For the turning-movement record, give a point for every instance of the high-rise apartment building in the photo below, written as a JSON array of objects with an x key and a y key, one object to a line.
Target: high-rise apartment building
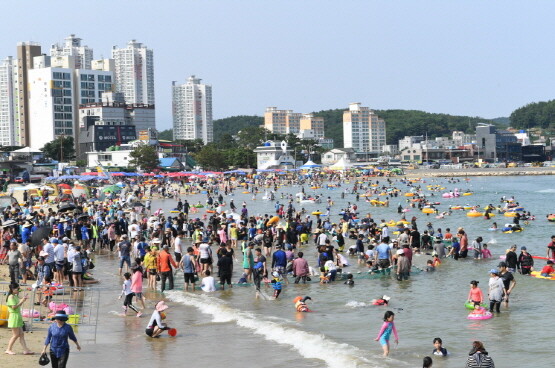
[
  {"x": 312, "y": 126},
  {"x": 26, "y": 51},
  {"x": 134, "y": 72},
  {"x": 192, "y": 110},
  {"x": 282, "y": 121},
  {"x": 83, "y": 55},
  {"x": 363, "y": 130},
  {"x": 7, "y": 136},
  {"x": 56, "y": 89}
]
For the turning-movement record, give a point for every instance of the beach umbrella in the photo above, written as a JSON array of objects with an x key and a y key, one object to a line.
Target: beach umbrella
[
  {"x": 9, "y": 223},
  {"x": 67, "y": 207},
  {"x": 38, "y": 235},
  {"x": 111, "y": 188}
]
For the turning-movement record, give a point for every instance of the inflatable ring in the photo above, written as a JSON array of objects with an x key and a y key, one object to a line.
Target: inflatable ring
[
  {"x": 474, "y": 214},
  {"x": 470, "y": 305},
  {"x": 428, "y": 210},
  {"x": 478, "y": 316},
  {"x": 316, "y": 213}
]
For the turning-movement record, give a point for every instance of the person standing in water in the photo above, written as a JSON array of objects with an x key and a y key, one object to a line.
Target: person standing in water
[{"x": 385, "y": 332}]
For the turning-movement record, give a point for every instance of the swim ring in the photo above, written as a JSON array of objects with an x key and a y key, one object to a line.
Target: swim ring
[{"x": 479, "y": 314}]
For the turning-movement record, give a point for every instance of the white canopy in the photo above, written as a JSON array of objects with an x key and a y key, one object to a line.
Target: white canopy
[
  {"x": 28, "y": 150},
  {"x": 341, "y": 165}
]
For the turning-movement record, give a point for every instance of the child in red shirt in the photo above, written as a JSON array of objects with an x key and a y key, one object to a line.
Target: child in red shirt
[{"x": 548, "y": 269}]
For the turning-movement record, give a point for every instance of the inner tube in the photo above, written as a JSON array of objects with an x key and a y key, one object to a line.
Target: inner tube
[
  {"x": 474, "y": 214},
  {"x": 316, "y": 213},
  {"x": 537, "y": 274},
  {"x": 481, "y": 313},
  {"x": 470, "y": 305}
]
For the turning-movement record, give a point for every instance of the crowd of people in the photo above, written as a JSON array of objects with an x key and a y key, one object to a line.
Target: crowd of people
[{"x": 152, "y": 244}]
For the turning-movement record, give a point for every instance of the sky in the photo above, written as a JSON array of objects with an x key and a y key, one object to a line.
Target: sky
[{"x": 477, "y": 58}]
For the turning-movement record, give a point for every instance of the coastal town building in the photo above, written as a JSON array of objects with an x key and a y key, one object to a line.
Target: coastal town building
[
  {"x": 83, "y": 55},
  {"x": 7, "y": 102},
  {"x": 56, "y": 89},
  {"x": 286, "y": 121},
  {"x": 192, "y": 110},
  {"x": 332, "y": 156},
  {"x": 363, "y": 130},
  {"x": 26, "y": 51},
  {"x": 274, "y": 155},
  {"x": 134, "y": 72},
  {"x": 112, "y": 122},
  {"x": 497, "y": 145}
]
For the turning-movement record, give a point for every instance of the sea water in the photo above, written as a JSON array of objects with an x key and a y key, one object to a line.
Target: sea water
[{"x": 233, "y": 329}]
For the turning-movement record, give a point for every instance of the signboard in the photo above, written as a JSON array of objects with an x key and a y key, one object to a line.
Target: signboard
[{"x": 143, "y": 135}]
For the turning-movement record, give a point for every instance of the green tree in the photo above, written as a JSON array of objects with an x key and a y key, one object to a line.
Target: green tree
[
  {"x": 166, "y": 135},
  {"x": 211, "y": 157},
  {"x": 192, "y": 145},
  {"x": 145, "y": 157},
  {"x": 234, "y": 124},
  {"x": 60, "y": 149},
  {"x": 254, "y": 136}
]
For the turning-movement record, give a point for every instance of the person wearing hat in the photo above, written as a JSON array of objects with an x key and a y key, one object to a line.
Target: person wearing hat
[
  {"x": 495, "y": 291},
  {"x": 155, "y": 325},
  {"x": 403, "y": 266},
  {"x": 508, "y": 279},
  {"x": 58, "y": 335}
]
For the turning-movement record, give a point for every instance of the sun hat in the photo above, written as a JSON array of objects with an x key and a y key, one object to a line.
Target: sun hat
[
  {"x": 61, "y": 316},
  {"x": 494, "y": 271},
  {"x": 161, "y": 306},
  {"x": 400, "y": 251}
]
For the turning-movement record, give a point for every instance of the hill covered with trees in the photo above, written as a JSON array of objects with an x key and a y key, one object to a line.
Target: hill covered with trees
[{"x": 535, "y": 115}]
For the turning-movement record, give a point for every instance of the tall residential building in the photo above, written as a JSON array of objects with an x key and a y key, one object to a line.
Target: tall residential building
[
  {"x": 56, "y": 89},
  {"x": 192, "y": 110},
  {"x": 134, "y": 72},
  {"x": 82, "y": 55},
  {"x": 282, "y": 121},
  {"x": 312, "y": 126},
  {"x": 7, "y": 136},
  {"x": 363, "y": 130},
  {"x": 26, "y": 51}
]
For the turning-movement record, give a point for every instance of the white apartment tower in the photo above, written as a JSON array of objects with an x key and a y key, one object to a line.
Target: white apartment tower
[
  {"x": 192, "y": 110},
  {"x": 56, "y": 89},
  {"x": 83, "y": 55},
  {"x": 7, "y": 134},
  {"x": 134, "y": 72},
  {"x": 363, "y": 130}
]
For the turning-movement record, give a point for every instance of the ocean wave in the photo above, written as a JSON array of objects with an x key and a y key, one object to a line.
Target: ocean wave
[
  {"x": 355, "y": 304},
  {"x": 309, "y": 345},
  {"x": 546, "y": 191}
]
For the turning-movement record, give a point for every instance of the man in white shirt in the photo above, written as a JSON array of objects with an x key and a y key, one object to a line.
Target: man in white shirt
[
  {"x": 134, "y": 229},
  {"x": 59, "y": 255},
  {"x": 208, "y": 283},
  {"x": 178, "y": 245},
  {"x": 48, "y": 248},
  {"x": 322, "y": 238}
]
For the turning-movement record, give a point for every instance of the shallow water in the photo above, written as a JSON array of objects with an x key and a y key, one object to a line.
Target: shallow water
[{"x": 235, "y": 329}]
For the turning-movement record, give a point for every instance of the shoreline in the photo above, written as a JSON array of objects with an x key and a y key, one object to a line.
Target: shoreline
[{"x": 510, "y": 171}]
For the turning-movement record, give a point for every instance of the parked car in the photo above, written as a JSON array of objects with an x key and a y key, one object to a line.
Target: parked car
[{"x": 18, "y": 179}]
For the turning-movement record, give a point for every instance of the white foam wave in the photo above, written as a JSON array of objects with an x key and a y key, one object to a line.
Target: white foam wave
[
  {"x": 355, "y": 304},
  {"x": 546, "y": 191},
  {"x": 309, "y": 345}
]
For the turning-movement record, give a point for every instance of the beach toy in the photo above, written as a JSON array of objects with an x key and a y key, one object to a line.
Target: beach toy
[
  {"x": 427, "y": 210},
  {"x": 474, "y": 214},
  {"x": 210, "y": 211},
  {"x": 480, "y": 313},
  {"x": 409, "y": 194},
  {"x": 30, "y": 313},
  {"x": 245, "y": 192},
  {"x": 314, "y": 187},
  {"x": 467, "y": 194},
  {"x": 551, "y": 218},
  {"x": 172, "y": 332},
  {"x": 3, "y": 314},
  {"x": 470, "y": 305},
  {"x": 73, "y": 319},
  {"x": 273, "y": 220},
  {"x": 316, "y": 213},
  {"x": 510, "y": 214},
  {"x": 537, "y": 274}
]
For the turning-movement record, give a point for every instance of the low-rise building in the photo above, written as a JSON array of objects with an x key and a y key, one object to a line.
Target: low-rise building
[
  {"x": 336, "y": 154},
  {"x": 274, "y": 155}
]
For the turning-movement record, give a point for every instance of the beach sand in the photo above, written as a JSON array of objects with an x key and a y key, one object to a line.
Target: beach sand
[{"x": 34, "y": 339}]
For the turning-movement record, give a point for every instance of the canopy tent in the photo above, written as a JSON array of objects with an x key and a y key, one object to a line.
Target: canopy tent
[
  {"x": 27, "y": 150},
  {"x": 341, "y": 165},
  {"x": 310, "y": 165}
]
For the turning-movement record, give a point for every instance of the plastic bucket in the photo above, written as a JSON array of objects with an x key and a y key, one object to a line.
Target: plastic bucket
[{"x": 73, "y": 319}]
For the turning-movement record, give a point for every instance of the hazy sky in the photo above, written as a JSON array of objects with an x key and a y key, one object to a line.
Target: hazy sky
[{"x": 479, "y": 58}]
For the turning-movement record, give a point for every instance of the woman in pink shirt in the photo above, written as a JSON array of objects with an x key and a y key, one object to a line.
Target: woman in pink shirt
[
  {"x": 137, "y": 282},
  {"x": 222, "y": 233}
]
